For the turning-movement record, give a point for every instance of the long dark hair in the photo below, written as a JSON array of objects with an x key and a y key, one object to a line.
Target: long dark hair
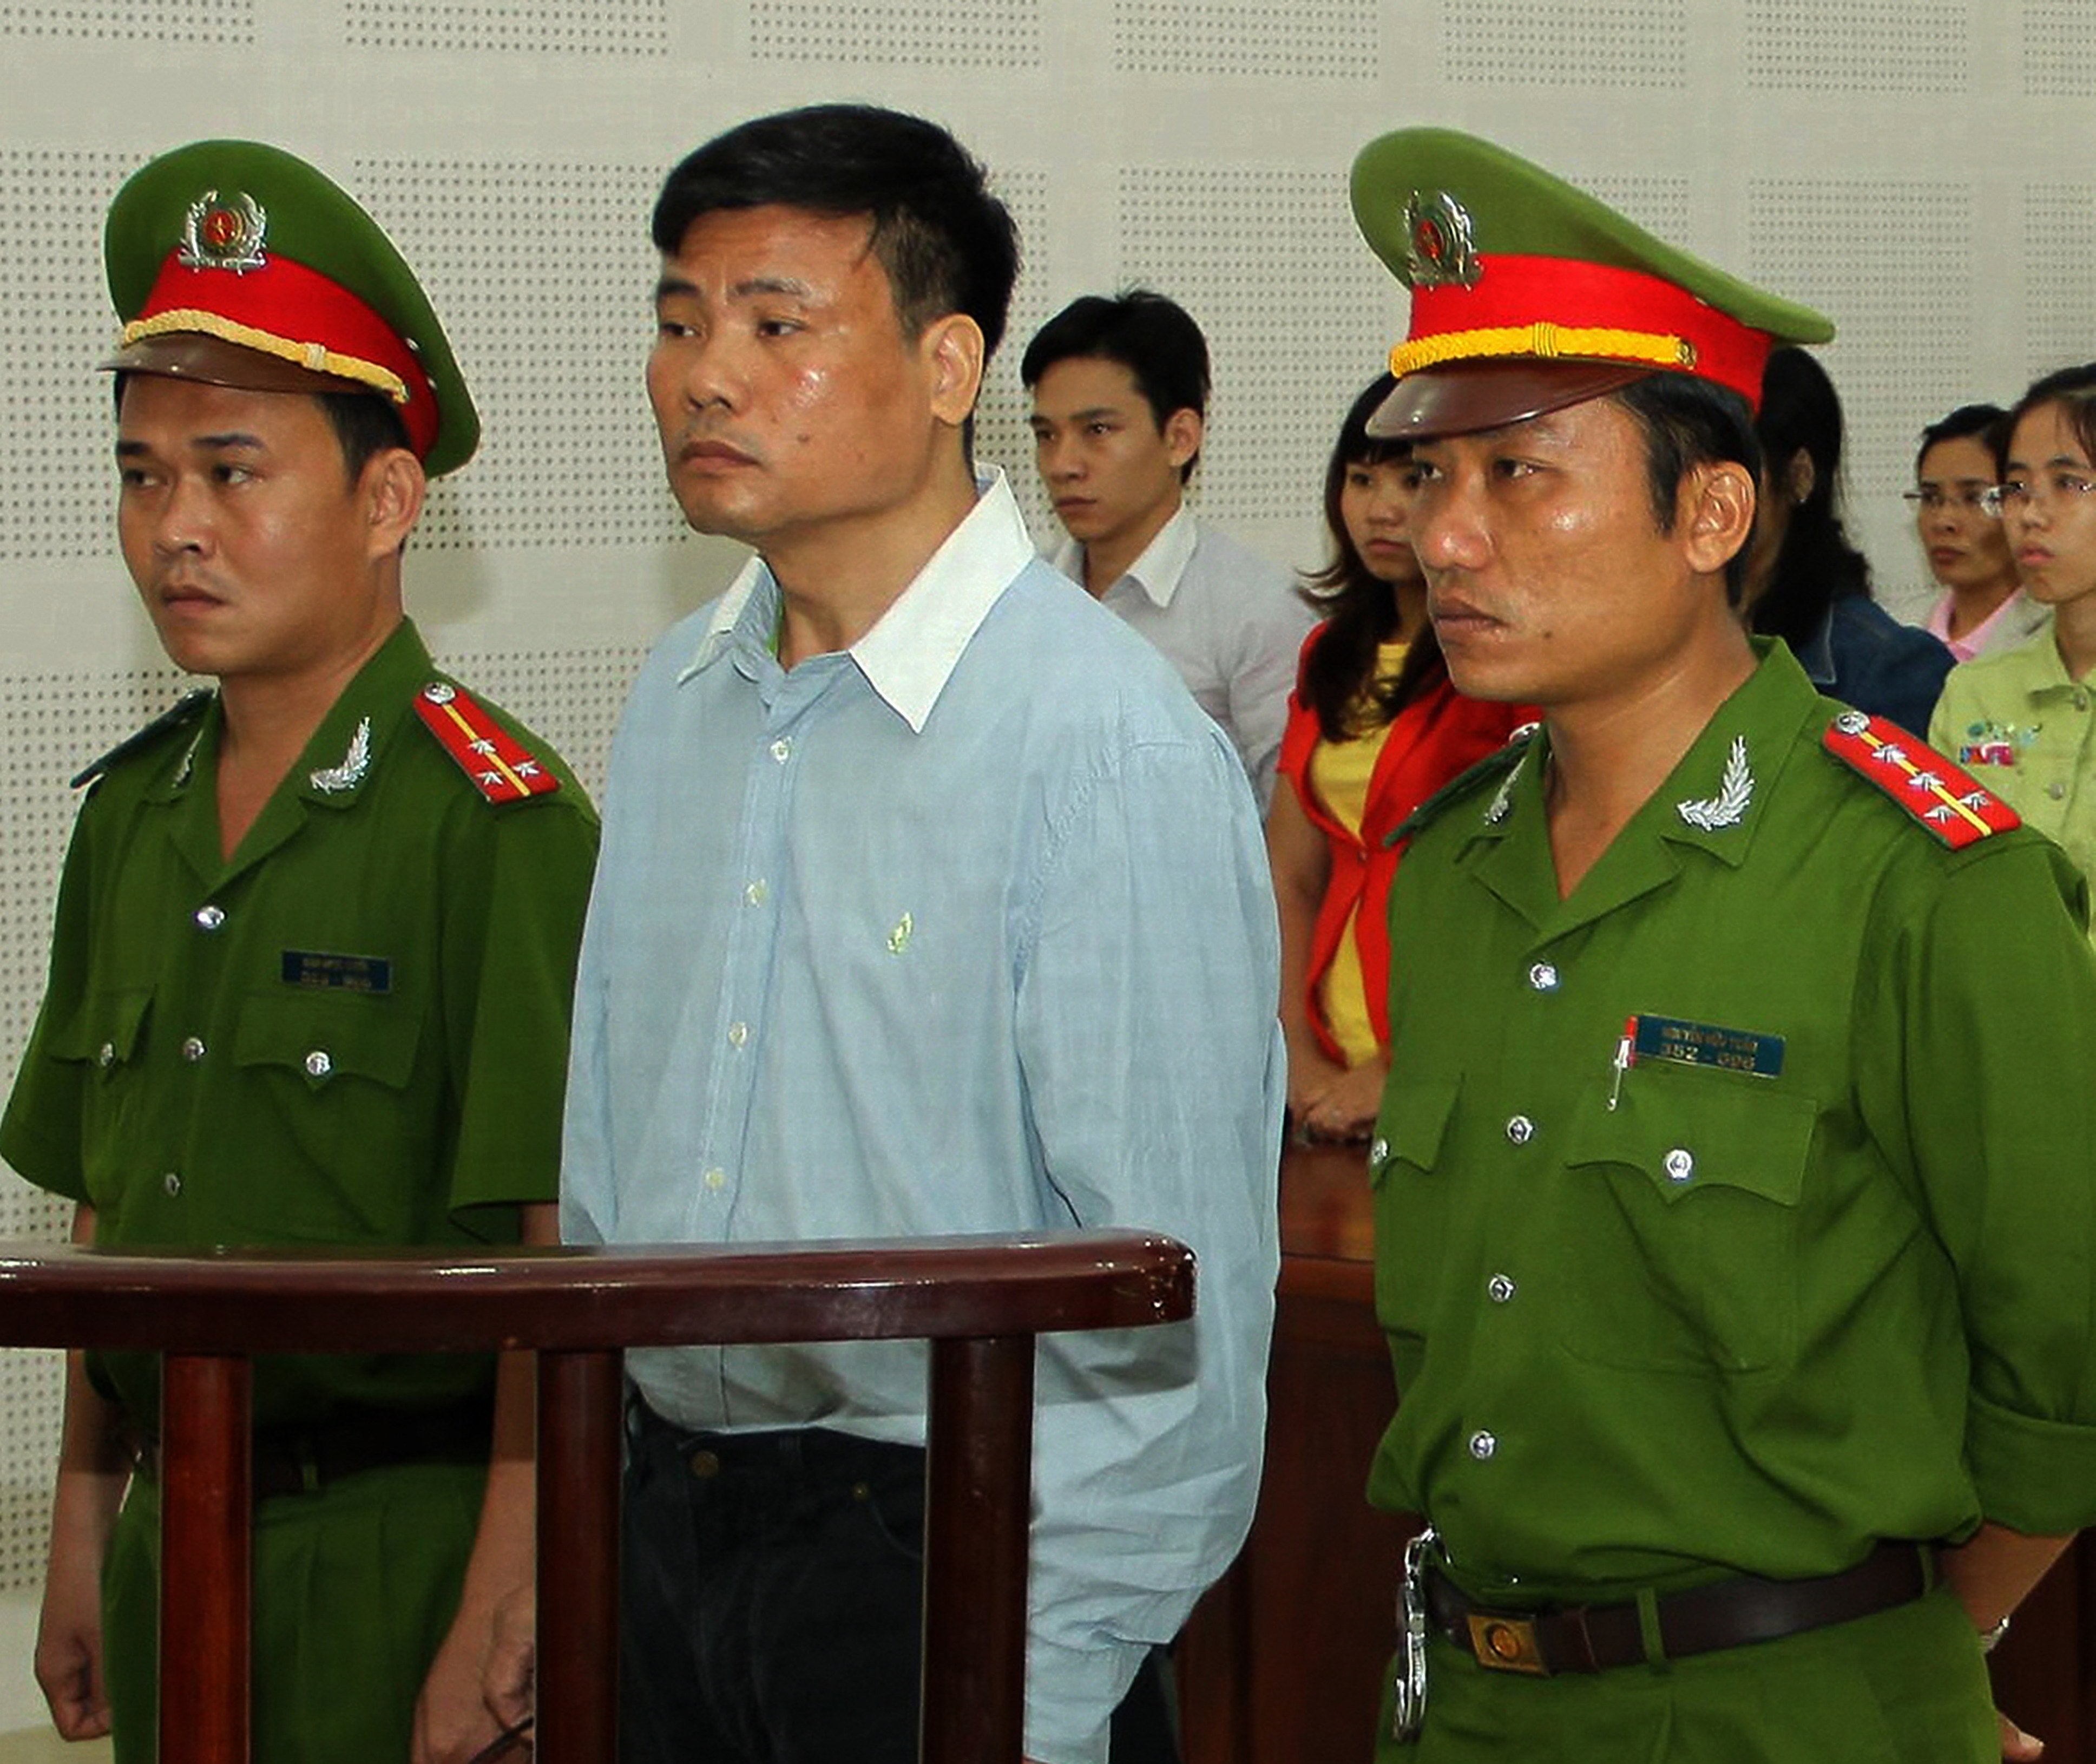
[
  {"x": 1360, "y": 610},
  {"x": 1815, "y": 566}
]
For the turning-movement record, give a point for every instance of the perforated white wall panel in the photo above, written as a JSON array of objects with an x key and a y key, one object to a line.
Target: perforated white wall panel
[
  {"x": 1291, "y": 40},
  {"x": 1295, "y": 310},
  {"x": 1614, "y": 43},
  {"x": 547, "y": 28},
  {"x": 162, "y": 21},
  {"x": 984, "y": 34},
  {"x": 1910, "y": 165},
  {"x": 1853, "y": 46}
]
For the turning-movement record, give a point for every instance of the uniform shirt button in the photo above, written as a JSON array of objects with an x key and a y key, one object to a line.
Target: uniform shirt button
[
  {"x": 210, "y": 918},
  {"x": 192, "y": 1048},
  {"x": 1501, "y": 1289},
  {"x": 737, "y": 1034},
  {"x": 1543, "y": 976},
  {"x": 172, "y": 1183},
  {"x": 2057, "y": 791},
  {"x": 781, "y": 748},
  {"x": 1482, "y": 1445},
  {"x": 755, "y": 893},
  {"x": 1378, "y": 1149},
  {"x": 318, "y": 1063},
  {"x": 1680, "y": 1165},
  {"x": 705, "y": 1464},
  {"x": 105, "y": 1056},
  {"x": 1521, "y": 1129},
  {"x": 716, "y": 1180}
]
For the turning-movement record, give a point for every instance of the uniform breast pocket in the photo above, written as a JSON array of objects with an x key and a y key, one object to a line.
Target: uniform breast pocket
[
  {"x": 332, "y": 1139},
  {"x": 106, "y": 1041},
  {"x": 1415, "y": 1206},
  {"x": 1680, "y": 1228}
]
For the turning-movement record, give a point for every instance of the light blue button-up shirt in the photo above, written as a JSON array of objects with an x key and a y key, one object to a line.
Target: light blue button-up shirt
[{"x": 965, "y": 928}]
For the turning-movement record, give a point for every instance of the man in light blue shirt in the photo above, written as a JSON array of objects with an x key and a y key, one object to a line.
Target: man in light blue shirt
[{"x": 929, "y": 902}]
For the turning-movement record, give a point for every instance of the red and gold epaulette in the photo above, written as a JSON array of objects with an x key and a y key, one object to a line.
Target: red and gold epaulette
[
  {"x": 1946, "y": 800},
  {"x": 501, "y": 770}
]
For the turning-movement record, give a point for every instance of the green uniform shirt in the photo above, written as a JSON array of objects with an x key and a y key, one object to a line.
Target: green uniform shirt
[
  {"x": 1735, "y": 1322},
  {"x": 2024, "y": 728},
  {"x": 354, "y": 1032}
]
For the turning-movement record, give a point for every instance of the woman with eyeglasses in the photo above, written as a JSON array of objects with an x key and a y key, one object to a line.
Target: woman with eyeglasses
[
  {"x": 2023, "y": 720},
  {"x": 1982, "y": 606}
]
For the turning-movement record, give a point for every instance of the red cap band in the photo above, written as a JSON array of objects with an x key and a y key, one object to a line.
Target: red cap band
[
  {"x": 304, "y": 316},
  {"x": 1512, "y": 292}
]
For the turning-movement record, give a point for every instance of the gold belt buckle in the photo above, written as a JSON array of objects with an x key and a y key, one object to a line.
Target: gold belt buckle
[{"x": 1506, "y": 1643}]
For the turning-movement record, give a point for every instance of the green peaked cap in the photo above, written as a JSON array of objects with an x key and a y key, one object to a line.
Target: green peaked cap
[
  {"x": 196, "y": 248},
  {"x": 1517, "y": 271}
]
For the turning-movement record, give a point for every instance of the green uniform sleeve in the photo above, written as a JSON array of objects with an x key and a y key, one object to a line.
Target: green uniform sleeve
[
  {"x": 1997, "y": 1033},
  {"x": 509, "y": 964},
  {"x": 40, "y": 1135}
]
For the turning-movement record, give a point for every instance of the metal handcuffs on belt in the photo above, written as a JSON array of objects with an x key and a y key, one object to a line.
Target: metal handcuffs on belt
[{"x": 1408, "y": 1707}]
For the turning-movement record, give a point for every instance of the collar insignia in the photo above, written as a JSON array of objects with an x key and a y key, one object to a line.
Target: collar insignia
[
  {"x": 355, "y": 763},
  {"x": 1735, "y": 790},
  {"x": 1502, "y": 805}
]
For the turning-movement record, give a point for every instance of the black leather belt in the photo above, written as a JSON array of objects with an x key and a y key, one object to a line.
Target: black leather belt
[
  {"x": 1727, "y": 1613},
  {"x": 292, "y": 1461}
]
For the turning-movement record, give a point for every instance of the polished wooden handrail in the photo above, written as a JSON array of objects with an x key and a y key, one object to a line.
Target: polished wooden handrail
[{"x": 978, "y": 1300}]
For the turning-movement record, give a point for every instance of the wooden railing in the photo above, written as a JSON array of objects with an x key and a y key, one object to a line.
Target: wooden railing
[{"x": 981, "y": 1302}]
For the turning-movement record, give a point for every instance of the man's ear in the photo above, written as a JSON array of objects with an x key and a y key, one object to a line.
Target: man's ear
[
  {"x": 1716, "y": 516},
  {"x": 391, "y": 491},
  {"x": 1183, "y": 432},
  {"x": 952, "y": 348}
]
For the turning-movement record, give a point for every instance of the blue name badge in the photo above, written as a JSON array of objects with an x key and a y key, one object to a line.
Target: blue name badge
[
  {"x": 1706, "y": 1044},
  {"x": 321, "y": 972}
]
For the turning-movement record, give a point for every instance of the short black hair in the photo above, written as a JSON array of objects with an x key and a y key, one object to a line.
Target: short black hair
[
  {"x": 1688, "y": 422},
  {"x": 2073, "y": 390},
  {"x": 366, "y": 424},
  {"x": 1155, "y": 338},
  {"x": 1980, "y": 422},
  {"x": 946, "y": 244}
]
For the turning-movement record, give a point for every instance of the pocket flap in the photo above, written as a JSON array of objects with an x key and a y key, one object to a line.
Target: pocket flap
[
  {"x": 1687, "y": 1130},
  {"x": 106, "y": 1030},
  {"x": 1413, "y": 1123},
  {"x": 323, "y": 1036}
]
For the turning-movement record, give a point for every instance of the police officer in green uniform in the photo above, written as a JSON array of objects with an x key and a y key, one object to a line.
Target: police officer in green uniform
[
  {"x": 311, "y": 977},
  {"x": 1735, "y": 1202}
]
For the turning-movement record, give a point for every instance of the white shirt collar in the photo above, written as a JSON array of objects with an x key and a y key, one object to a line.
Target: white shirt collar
[
  {"x": 913, "y": 648},
  {"x": 1156, "y": 572}
]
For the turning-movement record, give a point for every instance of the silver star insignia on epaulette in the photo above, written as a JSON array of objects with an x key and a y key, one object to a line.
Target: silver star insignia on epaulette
[
  {"x": 355, "y": 763},
  {"x": 1502, "y": 805},
  {"x": 1735, "y": 790}
]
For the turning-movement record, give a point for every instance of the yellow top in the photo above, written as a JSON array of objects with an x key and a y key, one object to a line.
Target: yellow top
[{"x": 1339, "y": 774}]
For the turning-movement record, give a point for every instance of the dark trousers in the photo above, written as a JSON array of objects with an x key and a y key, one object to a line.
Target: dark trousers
[{"x": 771, "y": 1588}]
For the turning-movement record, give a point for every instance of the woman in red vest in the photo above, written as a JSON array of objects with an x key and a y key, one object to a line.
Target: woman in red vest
[{"x": 1374, "y": 728}]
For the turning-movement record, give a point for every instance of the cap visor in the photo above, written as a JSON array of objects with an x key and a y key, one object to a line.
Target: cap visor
[
  {"x": 1465, "y": 396},
  {"x": 193, "y": 355}
]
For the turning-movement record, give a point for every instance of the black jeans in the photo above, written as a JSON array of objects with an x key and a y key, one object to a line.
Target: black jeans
[{"x": 771, "y": 1586}]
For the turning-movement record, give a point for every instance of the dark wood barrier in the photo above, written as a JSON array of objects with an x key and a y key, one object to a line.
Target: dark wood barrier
[{"x": 980, "y": 1301}]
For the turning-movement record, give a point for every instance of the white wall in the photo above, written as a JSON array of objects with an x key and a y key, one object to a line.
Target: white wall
[{"x": 1920, "y": 169}]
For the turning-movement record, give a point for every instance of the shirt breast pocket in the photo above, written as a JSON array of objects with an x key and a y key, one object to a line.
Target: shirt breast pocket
[
  {"x": 1414, "y": 1216},
  {"x": 1680, "y": 1235},
  {"x": 106, "y": 1041},
  {"x": 334, "y": 1141}
]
